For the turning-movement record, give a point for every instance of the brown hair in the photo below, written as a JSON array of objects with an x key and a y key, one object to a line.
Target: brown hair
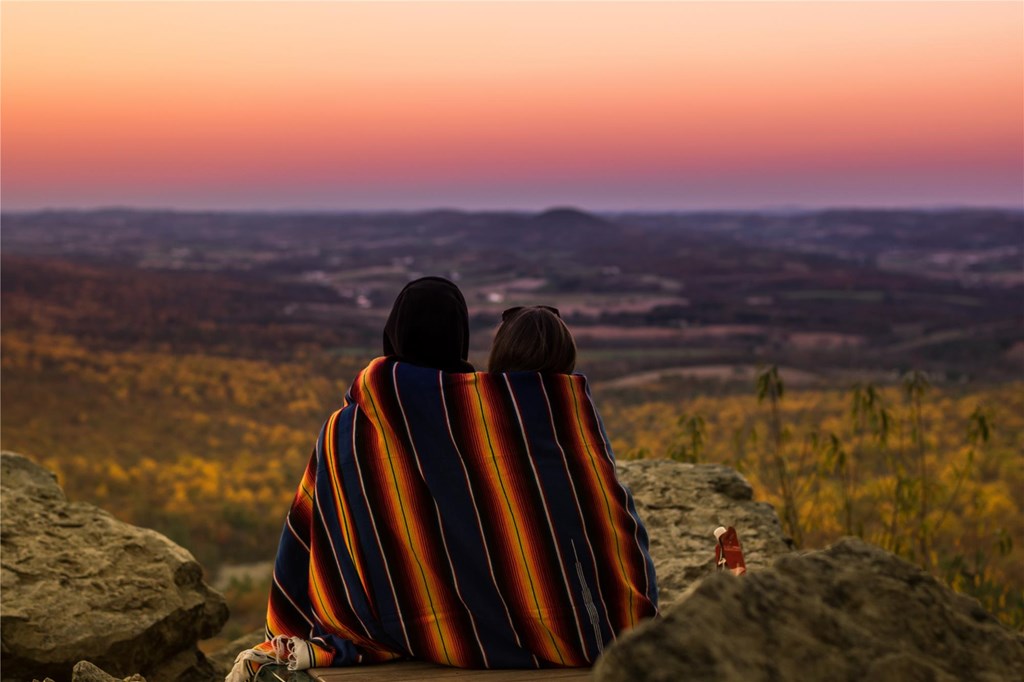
[{"x": 533, "y": 339}]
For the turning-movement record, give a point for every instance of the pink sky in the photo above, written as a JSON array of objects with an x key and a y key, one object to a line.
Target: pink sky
[{"x": 345, "y": 105}]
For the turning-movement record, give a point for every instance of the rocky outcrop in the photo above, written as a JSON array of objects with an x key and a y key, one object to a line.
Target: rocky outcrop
[
  {"x": 84, "y": 671},
  {"x": 80, "y": 585},
  {"x": 850, "y": 612},
  {"x": 682, "y": 504}
]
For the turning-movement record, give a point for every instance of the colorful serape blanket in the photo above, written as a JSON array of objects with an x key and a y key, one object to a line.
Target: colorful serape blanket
[{"x": 471, "y": 520}]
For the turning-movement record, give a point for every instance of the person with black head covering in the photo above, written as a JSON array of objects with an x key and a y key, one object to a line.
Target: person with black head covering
[{"x": 429, "y": 326}]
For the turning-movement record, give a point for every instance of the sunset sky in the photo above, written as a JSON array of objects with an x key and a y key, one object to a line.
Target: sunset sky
[{"x": 602, "y": 105}]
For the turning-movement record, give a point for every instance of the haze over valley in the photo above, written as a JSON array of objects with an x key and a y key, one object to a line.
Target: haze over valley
[{"x": 823, "y": 292}]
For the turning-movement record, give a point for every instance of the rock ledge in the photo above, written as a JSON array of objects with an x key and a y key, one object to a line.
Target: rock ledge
[
  {"x": 849, "y": 612},
  {"x": 80, "y": 585},
  {"x": 682, "y": 504}
]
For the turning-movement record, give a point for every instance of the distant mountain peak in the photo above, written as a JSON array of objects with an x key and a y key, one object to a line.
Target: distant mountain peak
[{"x": 568, "y": 215}]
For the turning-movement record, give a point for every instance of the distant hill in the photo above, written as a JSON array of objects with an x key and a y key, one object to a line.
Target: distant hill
[
  {"x": 970, "y": 245},
  {"x": 566, "y": 217}
]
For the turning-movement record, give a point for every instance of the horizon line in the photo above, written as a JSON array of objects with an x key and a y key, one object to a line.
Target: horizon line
[{"x": 774, "y": 208}]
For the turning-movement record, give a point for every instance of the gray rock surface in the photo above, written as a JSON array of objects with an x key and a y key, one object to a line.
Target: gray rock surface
[
  {"x": 80, "y": 585},
  {"x": 84, "y": 671},
  {"x": 682, "y": 504},
  {"x": 849, "y": 612}
]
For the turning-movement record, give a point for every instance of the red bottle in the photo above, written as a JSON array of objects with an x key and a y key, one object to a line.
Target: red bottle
[{"x": 728, "y": 553}]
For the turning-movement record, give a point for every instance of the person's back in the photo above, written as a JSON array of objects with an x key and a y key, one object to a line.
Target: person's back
[{"x": 467, "y": 519}]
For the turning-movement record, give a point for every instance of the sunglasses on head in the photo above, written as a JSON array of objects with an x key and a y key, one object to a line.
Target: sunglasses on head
[{"x": 511, "y": 312}]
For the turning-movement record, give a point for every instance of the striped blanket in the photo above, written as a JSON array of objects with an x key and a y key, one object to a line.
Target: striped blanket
[{"x": 471, "y": 520}]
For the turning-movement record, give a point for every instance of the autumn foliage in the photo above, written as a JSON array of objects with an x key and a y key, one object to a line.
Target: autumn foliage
[
  {"x": 208, "y": 449},
  {"x": 932, "y": 473}
]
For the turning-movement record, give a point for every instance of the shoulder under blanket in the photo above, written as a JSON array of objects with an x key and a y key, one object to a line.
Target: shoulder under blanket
[{"x": 472, "y": 520}]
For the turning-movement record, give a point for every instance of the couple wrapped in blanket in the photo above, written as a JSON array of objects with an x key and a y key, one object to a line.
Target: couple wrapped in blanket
[{"x": 464, "y": 518}]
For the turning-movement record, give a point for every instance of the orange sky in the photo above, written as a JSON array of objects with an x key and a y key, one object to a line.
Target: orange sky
[{"x": 521, "y": 105}]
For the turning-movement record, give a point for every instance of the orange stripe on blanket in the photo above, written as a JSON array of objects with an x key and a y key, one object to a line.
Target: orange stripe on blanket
[{"x": 345, "y": 519}]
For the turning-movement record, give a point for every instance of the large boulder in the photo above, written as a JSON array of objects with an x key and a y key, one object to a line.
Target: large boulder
[
  {"x": 849, "y": 612},
  {"x": 80, "y": 585},
  {"x": 682, "y": 504}
]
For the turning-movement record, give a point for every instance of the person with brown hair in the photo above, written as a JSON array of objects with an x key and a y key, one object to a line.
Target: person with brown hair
[{"x": 533, "y": 339}]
